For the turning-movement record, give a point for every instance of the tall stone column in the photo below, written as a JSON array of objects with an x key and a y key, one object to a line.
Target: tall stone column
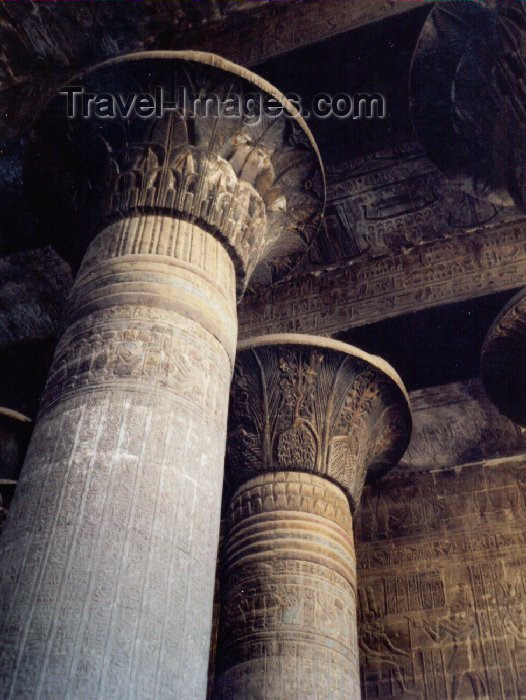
[
  {"x": 311, "y": 419},
  {"x": 109, "y": 550},
  {"x": 503, "y": 361}
]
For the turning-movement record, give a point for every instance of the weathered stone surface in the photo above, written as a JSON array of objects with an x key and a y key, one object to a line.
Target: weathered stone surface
[
  {"x": 110, "y": 544},
  {"x": 441, "y": 584},
  {"x": 256, "y": 184},
  {"x": 503, "y": 363},
  {"x": 393, "y": 200},
  {"x": 313, "y": 404},
  {"x": 309, "y": 417},
  {"x": 114, "y": 558},
  {"x": 288, "y": 622},
  {"x": 333, "y": 300},
  {"x": 456, "y": 424},
  {"x": 42, "y": 46}
]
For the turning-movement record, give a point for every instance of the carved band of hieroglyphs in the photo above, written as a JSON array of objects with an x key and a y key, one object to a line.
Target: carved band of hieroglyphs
[
  {"x": 139, "y": 320},
  {"x": 175, "y": 362},
  {"x": 59, "y": 38},
  {"x": 442, "y": 583},
  {"x": 364, "y": 292},
  {"x": 130, "y": 278},
  {"x": 289, "y": 582},
  {"x": 281, "y": 27}
]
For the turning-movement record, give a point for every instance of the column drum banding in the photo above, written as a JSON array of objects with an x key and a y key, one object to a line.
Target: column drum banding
[
  {"x": 110, "y": 547},
  {"x": 290, "y": 591}
]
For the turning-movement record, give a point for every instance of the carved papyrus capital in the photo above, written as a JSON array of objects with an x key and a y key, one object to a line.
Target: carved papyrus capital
[
  {"x": 252, "y": 181},
  {"x": 309, "y": 404},
  {"x": 503, "y": 360}
]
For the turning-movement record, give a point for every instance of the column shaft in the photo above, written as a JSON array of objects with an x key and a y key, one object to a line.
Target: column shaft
[
  {"x": 108, "y": 553},
  {"x": 288, "y": 619}
]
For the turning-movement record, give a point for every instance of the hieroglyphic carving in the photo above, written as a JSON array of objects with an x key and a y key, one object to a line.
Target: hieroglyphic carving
[
  {"x": 129, "y": 444},
  {"x": 283, "y": 26},
  {"x": 334, "y": 300},
  {"x": 323, "y": 408},
  {"x": 308, "y": 418},
  {"x": 502, "y": 360},
  {"x": 393, "y": 200},
  {"x": 442, "y": 581},
  {"x": 289, "y": 591},
  {"x": 55, "y": 40},
  {"x": 457, "y": 424},
  {"x": 110, "y": 543}
]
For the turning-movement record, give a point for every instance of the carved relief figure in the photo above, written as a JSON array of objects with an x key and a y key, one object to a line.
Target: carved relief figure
[
  {"x": 457, "y": 635},
  {"x": 381, "y": 654}
]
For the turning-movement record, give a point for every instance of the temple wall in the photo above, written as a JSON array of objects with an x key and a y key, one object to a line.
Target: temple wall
[{"x": 442, "y": 583}]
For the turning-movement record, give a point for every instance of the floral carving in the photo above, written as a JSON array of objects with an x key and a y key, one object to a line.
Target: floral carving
[
  {"x": 253, "y": 182},
  {"x": 299, "y": 407}
]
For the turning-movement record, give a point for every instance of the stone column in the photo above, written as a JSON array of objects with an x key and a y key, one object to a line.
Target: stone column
[
  {"x": 503, "y": 360},
  {"x": 108, "y": 570},
  {"x": 311, "y": 419}
]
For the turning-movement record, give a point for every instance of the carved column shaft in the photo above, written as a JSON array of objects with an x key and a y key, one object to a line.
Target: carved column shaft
[
  {"x": 290, "y": 585},
  {"x": 309, "y": 418},
  {"x": 112, "y": 548},
  {"x": 109, "y": 550}
]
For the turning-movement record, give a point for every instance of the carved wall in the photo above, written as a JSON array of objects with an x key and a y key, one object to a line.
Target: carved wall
[
  {"x": 325, "y": 302},
  {"x": 457, "y": 424},
  {"x": 395, "y": 199},
  {"x": 442, "y": 584}
]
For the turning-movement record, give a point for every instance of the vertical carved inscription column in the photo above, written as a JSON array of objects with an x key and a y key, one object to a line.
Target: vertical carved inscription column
[
  {"x": 311, "y": 418},
  {"x": 108, "y": 569}
]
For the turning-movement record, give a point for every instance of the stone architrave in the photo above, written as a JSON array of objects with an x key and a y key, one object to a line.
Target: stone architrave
[
  {"x": 503, "y": 360},
  {"x": 311, "y": 419},
  {"x": 109, "y": 550}
]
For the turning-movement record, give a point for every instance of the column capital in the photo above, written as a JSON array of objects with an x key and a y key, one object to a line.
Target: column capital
[
  {"x": 312, "y": 404},
  {"x": 255, "y": 182},
  {"x": 467, "y": 91},
  {"x": 502, "y": 364}
]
